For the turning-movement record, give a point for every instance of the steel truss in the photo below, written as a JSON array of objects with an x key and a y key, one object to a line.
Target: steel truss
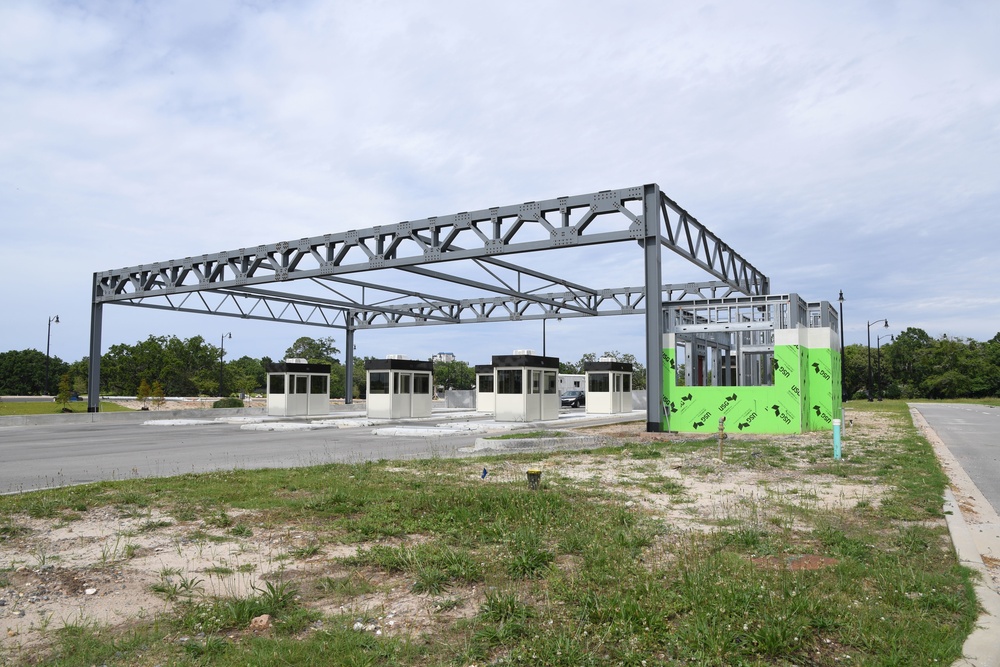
[{"x": 315, "y": 280}]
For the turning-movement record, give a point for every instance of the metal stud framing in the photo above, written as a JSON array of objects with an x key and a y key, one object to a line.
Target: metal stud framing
[{"x": 316, "y": 281}]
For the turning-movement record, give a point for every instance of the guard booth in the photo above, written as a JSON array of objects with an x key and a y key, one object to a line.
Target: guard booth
[
  {"x": 527, "y": 387},
  {"x": 399, "y": 387},
  {"x": 486, "y": 397},
  {"x": 297, "y": 388},
  {"x": 609, "y": 387}
]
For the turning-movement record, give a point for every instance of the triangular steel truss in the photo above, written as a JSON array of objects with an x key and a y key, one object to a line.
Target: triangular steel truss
[{"x": 363, "y": 279}]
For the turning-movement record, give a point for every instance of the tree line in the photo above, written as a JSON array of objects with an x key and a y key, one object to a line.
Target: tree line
[
  {"x": 915, "y": 365},
  {"x": 173, "y": 366},
  {"x": 910, "y": 365}
]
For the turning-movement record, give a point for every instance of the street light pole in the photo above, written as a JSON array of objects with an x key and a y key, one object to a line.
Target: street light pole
[
  {"x": 843, "y": 376},
  {"x": 870, "y": 399},
  {"x": 48, "y": 342},
  {"x": 222, "y": 360},
  {"x": 878, "y": 361}
]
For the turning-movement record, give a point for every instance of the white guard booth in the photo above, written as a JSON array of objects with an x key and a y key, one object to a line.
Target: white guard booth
[
  {"x": 486, "y": 397},
  {"x": 609, "y": 387},
  {"x": 297, "y": 388},
  {"x": 527, "y": 387},
  {"x": 399, "y": 388}
]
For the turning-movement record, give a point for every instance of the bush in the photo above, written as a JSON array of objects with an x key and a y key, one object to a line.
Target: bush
[{"x": 228, "y": 403}]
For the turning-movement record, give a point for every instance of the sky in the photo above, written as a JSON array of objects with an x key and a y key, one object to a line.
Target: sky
[{"x": 849, "y": 146}]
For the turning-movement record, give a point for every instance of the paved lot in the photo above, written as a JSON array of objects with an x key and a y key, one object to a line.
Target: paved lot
[
  {"x": 79, "y": 451},
  {"x": 972, "y": 434}
]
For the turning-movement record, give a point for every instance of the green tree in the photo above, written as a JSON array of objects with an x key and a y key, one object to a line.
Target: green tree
[
  {"x": 568, "y": 368},
  {"x": 23, "y": 372},
  {"x": 315, "y": 351},
  {"x": 855, "y": 358},
  {"x": 246, "y": 375},
  {"x": 638, "y": 369},
  {"x": 65, "y": 392},
  {"x": 454, "y": 375},
  {"x": 157, "y": 395},
  {"x": 143, "y": 393}
]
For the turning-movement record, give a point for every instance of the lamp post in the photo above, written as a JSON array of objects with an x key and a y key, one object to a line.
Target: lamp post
[
  {"x": 843, "y": 376},
  {"x": 870, "y": 399},
  {"x": 878, "y": 360},
  {"x": 222, "y": 360},
  {"x": 48, "y": 342}
]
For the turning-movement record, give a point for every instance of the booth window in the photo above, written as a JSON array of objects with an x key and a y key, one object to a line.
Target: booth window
[
  {"x": 301, "y": 384},
  {"x": 598, "y": 382},
  {"x": 421, "y": 383},
  {"x": 276, "y": 385},
  {"x": 536, "y": 382},
  {"x": 509, "y": 381},
  {"x": 486, "y": 384},
  {"x": 378, "y": 383},
  {"x": 401, "y": 383},
  {"x": 627, "y": 382},
  {"x": 551, "y": 382},
  {"x": 318, "y": 384}
]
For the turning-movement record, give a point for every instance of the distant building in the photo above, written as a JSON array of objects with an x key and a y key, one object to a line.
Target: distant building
[
  {"x": 444, "y": 357},
  {"x": 568, "y": 382}
]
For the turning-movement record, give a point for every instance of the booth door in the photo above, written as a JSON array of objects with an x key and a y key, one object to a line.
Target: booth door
[{"x": 402, "y": 394}]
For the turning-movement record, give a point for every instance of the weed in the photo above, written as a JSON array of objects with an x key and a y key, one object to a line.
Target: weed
[
  {"x": 241, "y": 530},
  {"x": 219, "y": 519},
  {"x": 150, "y": 526},
  {"x": 307, "y": 551},
  {"x": 351, "y": 585}
]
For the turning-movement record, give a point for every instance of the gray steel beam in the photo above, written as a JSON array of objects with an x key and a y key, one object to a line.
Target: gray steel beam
[
  {"x": 693, "y": 241},
  {"x": 349, "y": 368},
  {"x": 654, "y": 308},
  {"x": 94, "y": 361}
]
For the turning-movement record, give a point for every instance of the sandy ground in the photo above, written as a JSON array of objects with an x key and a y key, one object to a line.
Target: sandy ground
[{"x": 102, "y": 567}]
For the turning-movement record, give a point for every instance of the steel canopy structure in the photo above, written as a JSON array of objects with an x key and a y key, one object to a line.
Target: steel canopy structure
[{"x": 364, "y": 279}]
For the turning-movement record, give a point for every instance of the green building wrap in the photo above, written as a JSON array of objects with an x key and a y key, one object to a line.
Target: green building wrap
[{"x": 805, "y": 396}]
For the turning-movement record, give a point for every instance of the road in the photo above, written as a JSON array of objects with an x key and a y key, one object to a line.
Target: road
[
  {"x": 45, "y": 456},
  {"x": 971, "y": 434}
]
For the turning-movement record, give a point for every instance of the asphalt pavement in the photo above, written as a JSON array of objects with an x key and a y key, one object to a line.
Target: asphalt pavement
[
  {"x": 75, "y": 450},
  {"x": 972, "y": 434}
]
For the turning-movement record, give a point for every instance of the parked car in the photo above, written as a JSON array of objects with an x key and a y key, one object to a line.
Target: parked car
[{"x": 574, "y": 398}]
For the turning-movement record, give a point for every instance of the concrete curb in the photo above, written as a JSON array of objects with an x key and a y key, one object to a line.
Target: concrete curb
[{"x": 982, "y": 646}]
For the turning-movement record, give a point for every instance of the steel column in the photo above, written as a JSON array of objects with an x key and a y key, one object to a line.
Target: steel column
[
  {"x": 654, "y": 308},
  {"x": 349, "y": 370},
  {"x": 94, "y": 371}
]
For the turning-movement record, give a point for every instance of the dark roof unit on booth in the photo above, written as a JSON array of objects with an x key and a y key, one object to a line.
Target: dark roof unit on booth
[
  {"x": 598, "y": 366},
  {"x": 293, "y": 367},
  {"x": 525, "y": 361},
  {"x": 483, "y": 368},
  {"x": 398, "y": 365}
]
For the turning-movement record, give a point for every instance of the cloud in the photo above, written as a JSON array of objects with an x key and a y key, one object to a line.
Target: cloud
[{"x": 849, "y": 146}]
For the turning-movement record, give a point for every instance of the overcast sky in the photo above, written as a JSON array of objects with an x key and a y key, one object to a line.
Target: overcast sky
[{"x": 847, "y": 146}]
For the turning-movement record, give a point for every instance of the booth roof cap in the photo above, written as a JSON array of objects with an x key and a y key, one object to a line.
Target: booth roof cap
[
  {"x": 295, "y": 367},
  {"x": 398, "y": 365},
  {"x": 598, "y": 366},
  {"x": 524, "y": 361}
]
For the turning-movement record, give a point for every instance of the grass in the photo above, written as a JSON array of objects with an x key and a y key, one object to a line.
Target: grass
[
  {"x": 575, "y": 573},
  {"x": 53, "y": 408}
]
